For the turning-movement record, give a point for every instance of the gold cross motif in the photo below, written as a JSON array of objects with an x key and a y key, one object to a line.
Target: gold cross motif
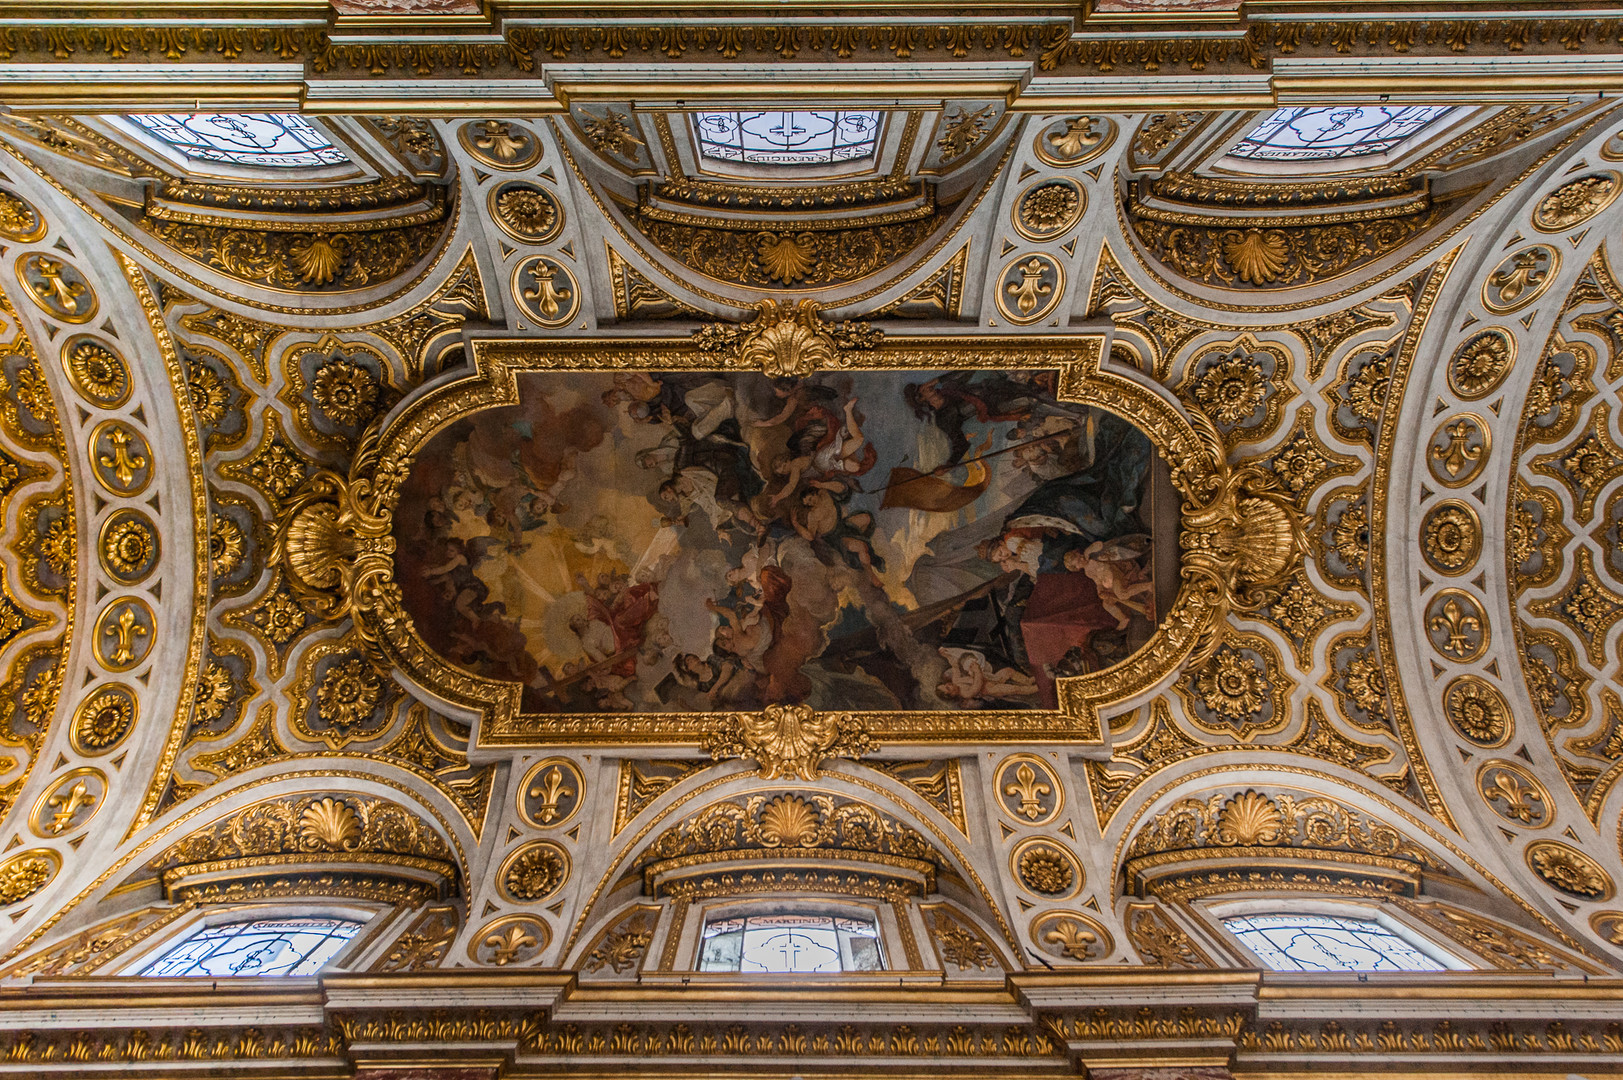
[
  {"x": 1077, "y": 135},
  {"x": 56, "y": 292},
  {"x": 1458, "y": 626},
  {"x": 68, "y": 803},
  {"x": 1029, "y": 791},
  {"x": 1521, "y": 275},
  {"x": 546, "y": 295},
  {"x": 123, "y": 461},
  {"x": 551, "y": 793},
  {"x": 126, "y": 630},
  {"x": 1030, "y": 289},
  {"x": 1456, "y": 455}
]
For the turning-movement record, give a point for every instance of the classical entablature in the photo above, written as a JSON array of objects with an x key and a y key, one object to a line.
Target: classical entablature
[{"x": 1006, "y": 544}]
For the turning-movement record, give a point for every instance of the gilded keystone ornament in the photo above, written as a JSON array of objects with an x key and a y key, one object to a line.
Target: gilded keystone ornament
[{"x": 789, "y": 740}]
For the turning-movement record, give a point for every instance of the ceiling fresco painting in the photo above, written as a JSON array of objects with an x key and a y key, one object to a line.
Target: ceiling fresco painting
[
  {"x": 799, "y": 544},
  {"x": 1011, "y": 550}
]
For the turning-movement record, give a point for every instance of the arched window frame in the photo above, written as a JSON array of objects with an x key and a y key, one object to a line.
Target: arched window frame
[
  {"x": 885, "y": 916},
  {"x": 169, "y": 158},
  {"x": 373, "y": 919},
  {"x": 1406, "y": 153},
  {"x": 1387, "y": 916}
]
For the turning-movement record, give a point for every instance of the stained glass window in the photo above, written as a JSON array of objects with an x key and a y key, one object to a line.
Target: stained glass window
[
  {"x": 787, "y": 138},
  {"x": 294, "y": 946},
  {"x": 1299, "y": 942},
  {"x": 801, "y": 943},
  {"x": 259, "y": 140},
  {"x": 1328, "y": 134}
]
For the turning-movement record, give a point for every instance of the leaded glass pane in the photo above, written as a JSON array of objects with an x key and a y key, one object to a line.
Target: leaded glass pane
[
  {"x": 263, "y": 947},
  {"x": 1327, "y": 134},
  {"x": 787, "y": 138},
  {"x": 797, "y": 943},
  {"x": 260, "y": 140},
  {"x": 1327, "y": 943}
]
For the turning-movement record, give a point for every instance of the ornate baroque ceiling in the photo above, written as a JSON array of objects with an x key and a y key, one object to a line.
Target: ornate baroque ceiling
[{"x": 484, "y": 534}]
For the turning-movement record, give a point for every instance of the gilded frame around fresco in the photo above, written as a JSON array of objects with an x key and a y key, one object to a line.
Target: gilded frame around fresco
[{"x": 336, "y": 543}]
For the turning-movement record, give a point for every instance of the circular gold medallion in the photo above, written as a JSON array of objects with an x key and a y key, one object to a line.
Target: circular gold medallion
[
  {"x": 1481, "y": 363},
  {"x": 1515, "y": 794},
  {"x": 1459, "y": 450},
  {"x": 69, "y": 803},
  {"x": 1071, "y": 935},
  {"x": 124, "y": 633},
  {"x": 509, "y": 940},
  {"x": 1609, "y": 925},
  {"x": 120, "y": 458},
  {"x": 96, "y": 370},
  {"x": 546, "y": 290},
  {"x": 1072, "y": 141},
  {"x": 26, "y": 873},
  {"x": 1030, "y": 288},
  {"x": 1028, "y": 790},
  {"x": 1451, "y": 537},
  {"x": 1520, "y": 278},
  {"x": 1457, "y": 626},
  {"x": 551, "y": 793},
  {"x": 129, "y": 546},
  {"x": 1478, "y": 711},
  {"x": 57, "y": 288},
  {"x": 1566, "y": 868},
  {"x": 525, "y": 211},
  {"x": 1576, "y": 201},
  {"x": 533, "y": 872},
  {"x": 1049, "y": 209},
  {"x": 19, "y": 220},
  {"x": 103, "y": 719},
  {"x": 1046, "y": 868},
  {"x": 500, "y": 144}
]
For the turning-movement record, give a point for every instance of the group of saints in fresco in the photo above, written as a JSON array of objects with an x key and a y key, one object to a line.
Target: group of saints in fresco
[{"x": 701, "y": 541}]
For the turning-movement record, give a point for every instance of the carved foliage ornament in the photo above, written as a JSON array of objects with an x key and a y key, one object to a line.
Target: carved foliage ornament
[
  {"x": 789, "y": 826},
  {"x": 789, "y": 741}
]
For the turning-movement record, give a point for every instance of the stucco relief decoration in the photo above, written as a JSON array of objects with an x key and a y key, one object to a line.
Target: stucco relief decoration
[{"x": 1264, "y": 829}]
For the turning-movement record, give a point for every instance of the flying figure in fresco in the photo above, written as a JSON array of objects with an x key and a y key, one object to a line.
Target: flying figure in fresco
[{"x": 879, "y": 540}]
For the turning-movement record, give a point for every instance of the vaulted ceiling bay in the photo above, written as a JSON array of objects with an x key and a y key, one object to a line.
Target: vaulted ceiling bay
[{"x": 797, "y": 543}]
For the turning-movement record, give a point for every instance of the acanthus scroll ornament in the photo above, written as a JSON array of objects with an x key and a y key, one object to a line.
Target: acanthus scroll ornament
[{"x": 789, "y": 740}]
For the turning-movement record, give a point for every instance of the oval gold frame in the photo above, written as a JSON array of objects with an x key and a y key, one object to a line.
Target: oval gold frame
[
  {"x": 1477, "y": 467},
  {"x": 96, "y": 399},
  {"x": 1079, "y": 876},
  {"x": 1528, "y": 297},
  {"x": 75, "y": 732},
  {"x": 149, "y": 467},
  {"x": 1048, "y": 772},
  {"x": 463, "y": 137},
  {"x": 532, "y": 774},
  {"x": 517, "y": 234},
  {"x": 514, "y": 855},
  {"x": 1476, "y": 612},
  {"x": 127, "y": 513},
  {"x": 1431, "y": 515},
  {"x": 78, "y": 318},
  {"x": 1043, "y": 236},
  {"x": 1457, "y": 685},
  {"x": 564, "y": 317},
  {"x": 42, "y": 803},
  {"x": 1525, "y": 775},
  {"x": 101, "y": 628},
  {"x": 1106, "y": 141},
  {"x": 494, "y": 928}
]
